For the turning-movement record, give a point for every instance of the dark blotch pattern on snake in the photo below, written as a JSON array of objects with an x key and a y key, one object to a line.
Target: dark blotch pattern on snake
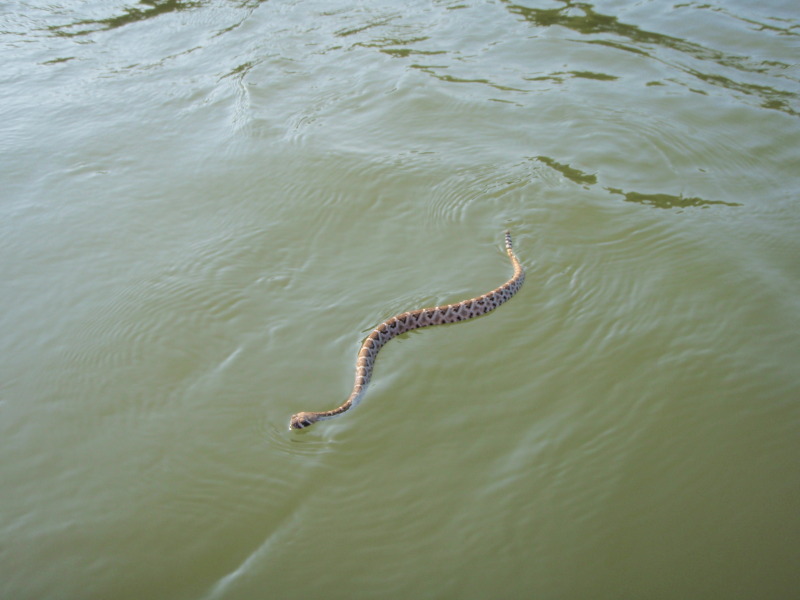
[{"x": 424, "y": 317}]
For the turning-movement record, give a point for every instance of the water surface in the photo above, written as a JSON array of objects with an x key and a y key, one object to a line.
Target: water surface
[{"x": 207, "y": 205}]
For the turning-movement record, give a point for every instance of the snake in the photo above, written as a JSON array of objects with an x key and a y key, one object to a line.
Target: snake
[{"x": 408, "y": 321}]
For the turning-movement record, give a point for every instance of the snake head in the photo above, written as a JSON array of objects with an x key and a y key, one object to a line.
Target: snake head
[{"x": 301, "y": 420}]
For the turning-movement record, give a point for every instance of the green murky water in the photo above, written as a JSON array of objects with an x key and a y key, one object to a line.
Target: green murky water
[{"x": 207, "y": 205}]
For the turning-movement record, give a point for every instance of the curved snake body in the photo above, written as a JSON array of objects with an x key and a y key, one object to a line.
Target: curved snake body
[{"x": 423, "y": 317}]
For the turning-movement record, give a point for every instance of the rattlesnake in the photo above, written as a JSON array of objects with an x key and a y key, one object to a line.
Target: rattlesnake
[{"x": 424, "y": 317}]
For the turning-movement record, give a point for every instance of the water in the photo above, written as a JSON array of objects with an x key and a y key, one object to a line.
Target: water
[{"x": 207, "y": 205}]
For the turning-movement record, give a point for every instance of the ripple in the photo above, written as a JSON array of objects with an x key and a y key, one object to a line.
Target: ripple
[{"x": 476, "y": 188}]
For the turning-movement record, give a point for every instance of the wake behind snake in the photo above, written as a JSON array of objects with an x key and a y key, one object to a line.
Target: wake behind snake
[{"x": 423, "y": 317}]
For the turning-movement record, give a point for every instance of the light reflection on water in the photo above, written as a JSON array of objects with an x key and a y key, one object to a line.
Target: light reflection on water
[{"x": 208, "y": 204}]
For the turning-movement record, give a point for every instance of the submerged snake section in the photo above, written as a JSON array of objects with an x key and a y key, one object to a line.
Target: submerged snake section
[{"x": 423, "y": 317}]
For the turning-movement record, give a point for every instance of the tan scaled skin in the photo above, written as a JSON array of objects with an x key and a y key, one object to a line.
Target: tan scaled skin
[{"x": 423, "y": 317}]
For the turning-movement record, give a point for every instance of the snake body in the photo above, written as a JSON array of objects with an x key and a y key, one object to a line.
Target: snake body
[{"x": 423, "y": 317}]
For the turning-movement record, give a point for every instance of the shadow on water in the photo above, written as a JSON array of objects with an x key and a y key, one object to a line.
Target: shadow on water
[
  {"x": 574, "y": 175},
  {"x": 147, "y": 9},
  {"x": 583, "y": 19},
  {"x": 560, "y": 76},
  {"x": 656, "y": 200},
  {"x": 668, "y": 200}
]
